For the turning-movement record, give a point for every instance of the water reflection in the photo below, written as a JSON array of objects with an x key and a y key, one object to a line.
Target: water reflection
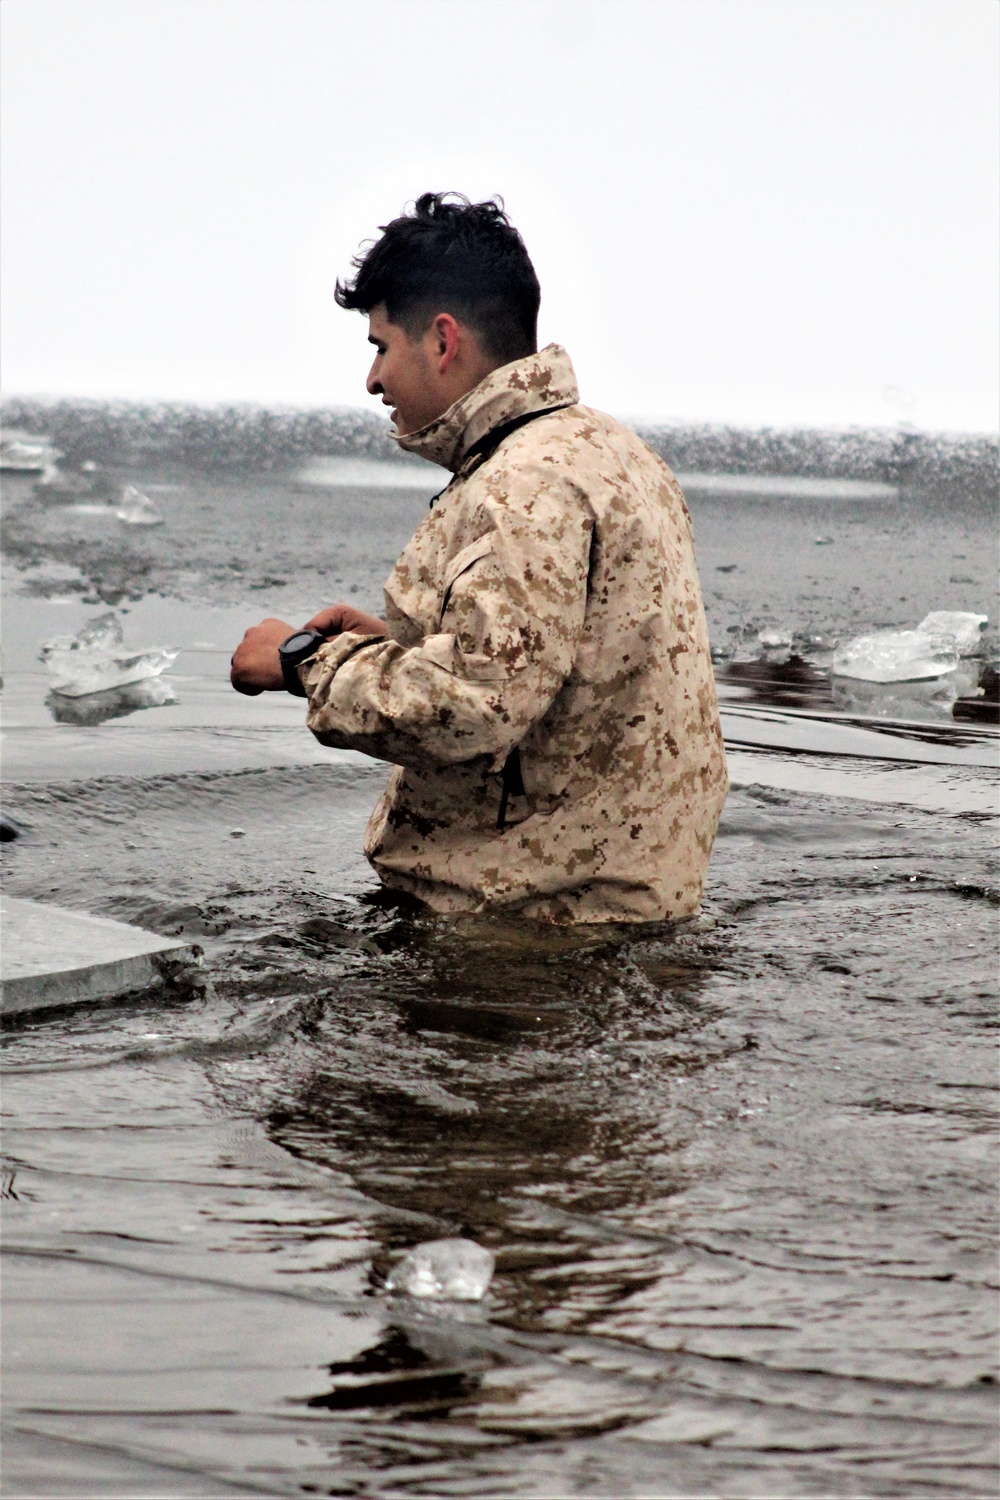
[
  {"x": 477, "y": 1071},
  {"x": 793, "y": 683},
  {"x": 934, "y": 697},
  {"x": 404, "y": 1371},
  {"x": 113, "y": 703},
  {"x": 970, "y": 693}
]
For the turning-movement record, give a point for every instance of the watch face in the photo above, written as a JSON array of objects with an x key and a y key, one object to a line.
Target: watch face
[{"x": 298, "y": 642}]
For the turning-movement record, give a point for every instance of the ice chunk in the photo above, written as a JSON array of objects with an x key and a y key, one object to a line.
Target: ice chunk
[
  {"x": 455, "y": 1269},
  {"x": 23, "y": 453},
  {"x": 775, "y": 645},
  {"x": 895, "y": 656},
  {"x": 93, "y": 661},
  {"x": 137, "y": 509},
  {"x": 964, "y": 629},
  {"x": 931, "y": 650},
  {"x": 341, "y": 472}
]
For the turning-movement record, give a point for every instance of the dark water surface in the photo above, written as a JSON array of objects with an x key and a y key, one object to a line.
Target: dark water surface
[{"x": 739, "y": 1175}]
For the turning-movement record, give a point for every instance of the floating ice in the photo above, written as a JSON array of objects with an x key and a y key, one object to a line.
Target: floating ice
[
  {"x": 784, "y": 487},
  {"x": 137, "y": 509},
  {"x": 371, "y": 474},
  {"x": 964, "y": 629},
  {"x": 933, "y": 649},
  {"x": 456, "y": 1269},
  {"x": 895, "y": 656},
  {"x": 22, "y": 453},
  {"x": 94, "y": 662}
]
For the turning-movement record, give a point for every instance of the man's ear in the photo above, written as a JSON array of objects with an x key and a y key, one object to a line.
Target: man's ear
[{"x": 445, "y": 333}]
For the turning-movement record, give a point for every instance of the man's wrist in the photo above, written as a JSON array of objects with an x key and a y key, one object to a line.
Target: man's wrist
[{"x": 299, "y": 648}]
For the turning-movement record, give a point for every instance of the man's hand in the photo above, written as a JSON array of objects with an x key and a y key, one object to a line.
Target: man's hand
[
  {"x": 255, "y": 667},
  {"x": 337, "y": 618}
]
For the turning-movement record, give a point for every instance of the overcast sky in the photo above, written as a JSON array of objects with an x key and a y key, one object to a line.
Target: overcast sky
[{"x": 742, "y": 210}]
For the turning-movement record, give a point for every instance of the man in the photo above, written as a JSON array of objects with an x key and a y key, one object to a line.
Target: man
[{"x": 541, "y": 681}]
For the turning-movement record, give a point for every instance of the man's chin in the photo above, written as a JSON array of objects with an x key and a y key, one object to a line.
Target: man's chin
[{"x": 404, "y": 425}]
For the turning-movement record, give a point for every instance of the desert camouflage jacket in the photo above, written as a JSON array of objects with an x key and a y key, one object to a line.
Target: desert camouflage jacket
[{"x": 549, "y": 602}]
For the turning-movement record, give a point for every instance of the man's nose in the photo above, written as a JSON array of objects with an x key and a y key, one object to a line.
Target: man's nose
[{"x": 373, "y": 384}]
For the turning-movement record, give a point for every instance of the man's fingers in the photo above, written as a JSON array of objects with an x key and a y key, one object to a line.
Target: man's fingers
[
  {"x": 255, "y": 666},
  {"x": 237, "y": 670},
  {"x": 342, "y": 617},
  {"x": 329, "y": 620}
]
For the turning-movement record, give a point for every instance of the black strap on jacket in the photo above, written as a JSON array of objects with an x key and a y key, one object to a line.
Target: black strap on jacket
[
  {"x": 488, "y": 444},
  {"x": 479, "y": 452},
  {"x": 490, "y": 441},
  {"x": 513, "y": 782},
  {"x": 513, "y": 785}
]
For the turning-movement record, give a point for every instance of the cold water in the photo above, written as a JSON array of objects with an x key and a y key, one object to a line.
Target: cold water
[{"x": 738, "y": 1175}]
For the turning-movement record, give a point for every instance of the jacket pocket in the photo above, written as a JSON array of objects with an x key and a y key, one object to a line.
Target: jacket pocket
[
  {"x": 477, "y": 615},
  {"x": 459, "y": 564}
]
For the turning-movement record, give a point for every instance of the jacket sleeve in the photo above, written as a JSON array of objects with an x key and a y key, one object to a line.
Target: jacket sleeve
[{"x": 513, "y": 604}]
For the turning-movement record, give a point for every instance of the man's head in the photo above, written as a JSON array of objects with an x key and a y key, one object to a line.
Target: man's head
[{"x": 451, "y": 295}]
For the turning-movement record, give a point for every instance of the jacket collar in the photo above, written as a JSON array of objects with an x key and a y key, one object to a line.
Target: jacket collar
[{"x": 541, "y": 381}]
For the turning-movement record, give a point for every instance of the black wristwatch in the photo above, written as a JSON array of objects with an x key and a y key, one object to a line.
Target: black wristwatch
[{"x": 293, "y": 652}]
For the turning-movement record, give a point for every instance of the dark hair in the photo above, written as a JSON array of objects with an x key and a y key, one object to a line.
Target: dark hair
[{"x": 450, "y": 255}]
